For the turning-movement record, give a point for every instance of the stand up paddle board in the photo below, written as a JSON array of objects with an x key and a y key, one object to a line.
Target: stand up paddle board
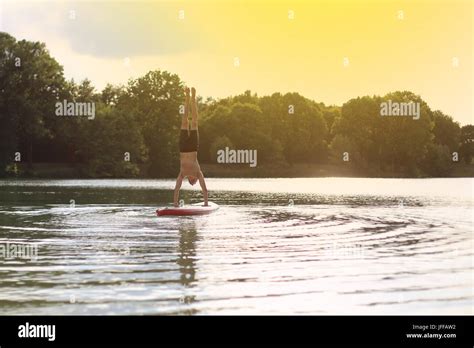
[{"x": 194, "y": 209}]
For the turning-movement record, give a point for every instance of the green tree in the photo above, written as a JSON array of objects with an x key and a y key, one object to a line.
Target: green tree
[
  {"x": 39, "y": 83},
  {"x": 359, "y": 124},
  {"x": 446, "y": 131},
  {"x": 213, "y": 125},
  {"x": 438, "y": 160},
  {"x": 220, "y": 143},
  {"x": 111, "y": 94},
  {"x": 298, "y": 125},
  {"x": 341, "y": 146},
  {"x": 142, "y": 119},
  {"x": 31, "y": 83},
  {"x": 8, "y": 100},
  {"x": 114, "y": 146},
  {"x": 154, "y": 102},
  {"x": 330, "y": 114},
  {"x": 466, "y": 149},
  {"x": 389, "y": 143}
]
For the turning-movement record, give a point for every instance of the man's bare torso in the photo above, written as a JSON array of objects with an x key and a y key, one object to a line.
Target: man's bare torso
[{"x": 189, "y": 164}]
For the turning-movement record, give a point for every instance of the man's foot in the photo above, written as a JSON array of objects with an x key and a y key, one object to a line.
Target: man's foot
[
  {"x": 186, "y": 92},
  {"x": 193, "y": 93}
]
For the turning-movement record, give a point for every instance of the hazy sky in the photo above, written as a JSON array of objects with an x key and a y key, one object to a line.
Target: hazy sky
[{"x": 329, "y": 51}]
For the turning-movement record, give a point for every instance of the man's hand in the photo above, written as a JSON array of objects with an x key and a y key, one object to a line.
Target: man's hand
[
  {"x": 179, "y": 181},
  {"x": 202, "y": 182}
]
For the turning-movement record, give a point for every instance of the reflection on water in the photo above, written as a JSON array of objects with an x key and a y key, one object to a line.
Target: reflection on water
[
  {"x": 340, "y": 248},
  {"x": 187, "y": 259}
]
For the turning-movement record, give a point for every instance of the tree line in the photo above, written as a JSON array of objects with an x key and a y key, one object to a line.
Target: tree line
[{"x": 134, "y": 132}]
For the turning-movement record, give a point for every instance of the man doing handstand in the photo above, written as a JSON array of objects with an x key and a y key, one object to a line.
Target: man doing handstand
[{"x": 188, "y": 147}]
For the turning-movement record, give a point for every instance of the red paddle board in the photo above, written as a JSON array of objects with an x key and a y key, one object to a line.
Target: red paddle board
[{"x": 194, "y": 209}]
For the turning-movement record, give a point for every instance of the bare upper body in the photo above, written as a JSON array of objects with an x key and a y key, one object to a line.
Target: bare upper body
[{"x": 189, "y": 167}]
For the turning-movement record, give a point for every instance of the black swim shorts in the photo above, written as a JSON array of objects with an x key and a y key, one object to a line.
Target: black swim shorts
[{"x": 188, "y": 142}]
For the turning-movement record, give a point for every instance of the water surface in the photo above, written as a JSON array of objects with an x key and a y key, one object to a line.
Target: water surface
[{"x": 276, "y": 246}]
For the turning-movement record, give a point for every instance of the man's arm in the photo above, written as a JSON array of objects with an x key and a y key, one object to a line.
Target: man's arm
[
  {"x": 179, "y": 181},
  {"x": 202, "y": 182}
]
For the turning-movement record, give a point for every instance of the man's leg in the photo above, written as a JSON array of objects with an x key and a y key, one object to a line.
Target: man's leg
[
  {"x": 184, "y": 119},
  {"x": 194, "y": 112}
]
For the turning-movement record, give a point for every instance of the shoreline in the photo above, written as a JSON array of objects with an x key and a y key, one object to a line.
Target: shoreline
[{"x": 299, "y": 170}]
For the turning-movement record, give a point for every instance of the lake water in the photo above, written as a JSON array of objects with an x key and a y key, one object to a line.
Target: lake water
[{"x": 276, "y": 246}]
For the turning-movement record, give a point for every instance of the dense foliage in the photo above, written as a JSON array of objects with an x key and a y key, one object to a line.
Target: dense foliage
[{"x": 135, "y": 128}]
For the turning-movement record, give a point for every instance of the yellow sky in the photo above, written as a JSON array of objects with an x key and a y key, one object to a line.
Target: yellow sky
[{"x": 388, "y": 44}]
